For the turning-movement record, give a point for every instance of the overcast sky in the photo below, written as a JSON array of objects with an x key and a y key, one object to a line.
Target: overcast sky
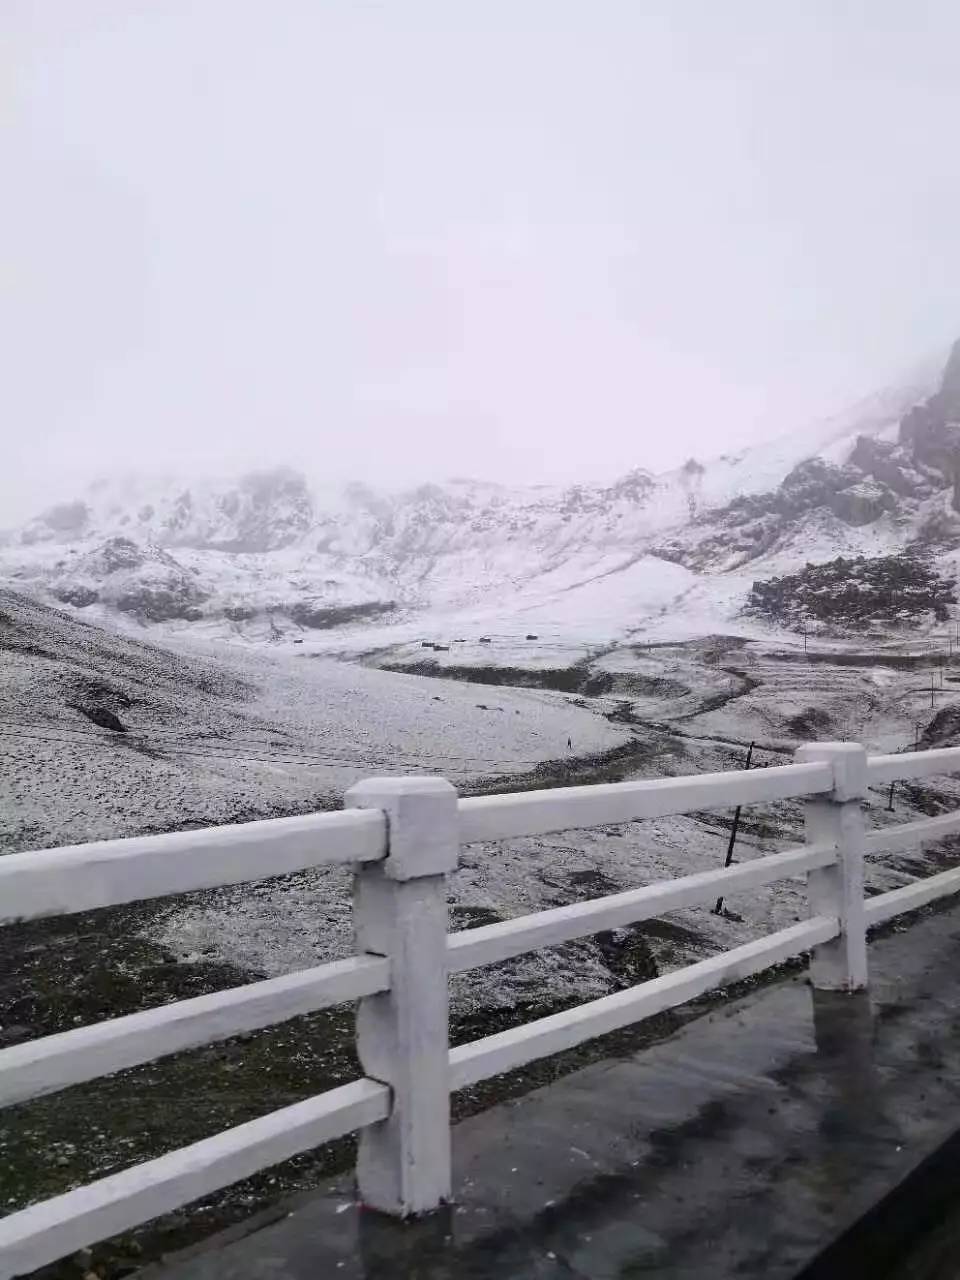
[{"x": 507, "y": 238}]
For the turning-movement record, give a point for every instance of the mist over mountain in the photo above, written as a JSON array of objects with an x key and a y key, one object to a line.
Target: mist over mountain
[{"x": 266, "y": 552}]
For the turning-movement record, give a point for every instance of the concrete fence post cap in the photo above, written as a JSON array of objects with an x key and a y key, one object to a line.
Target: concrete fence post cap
[
  {"x": 849, "y": 761},
  {"x": 422, "y": 823}
]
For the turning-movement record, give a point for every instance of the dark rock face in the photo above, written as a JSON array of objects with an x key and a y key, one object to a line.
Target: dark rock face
[
  {"x": 162, "y": 604},
  {"x": 121, "y": 553},
  {"x": 851, "y": 592},
  {"x": 145, "y": 581},
  {"x": 879, "y": 477},
  {"x": 105, "y": 718},
  {"x": 862, "y": 503},
  {"x": 753, "y": 523},
  {"x": 99, "y": 701},
  {"x": 635, "y": 486},
  {"x": 322, "y": 618},
  {"x": 885, "y": 461},
  {"x": 931, "y": 430},
  {"x": 812, "y": 482},
  {"x": 79, "y": 596},
  {"x": 950, "y": 386},
  {"x": 939, "y": 532}
]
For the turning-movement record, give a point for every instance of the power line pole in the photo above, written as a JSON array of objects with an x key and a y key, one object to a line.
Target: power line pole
[{"x": 733, "y": 833}]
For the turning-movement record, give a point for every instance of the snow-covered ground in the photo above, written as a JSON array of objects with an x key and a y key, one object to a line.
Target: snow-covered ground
[
  {"x": 216, "y": 733},
  {"x": 694, "y": 706},
  {"x": 223, "y": 732}
]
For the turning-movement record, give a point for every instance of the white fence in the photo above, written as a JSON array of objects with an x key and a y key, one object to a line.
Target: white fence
[{"x": 402, "y": 837}]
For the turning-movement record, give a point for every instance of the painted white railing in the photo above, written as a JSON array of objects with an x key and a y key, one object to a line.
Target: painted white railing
[{"x": 402, "y": 837}]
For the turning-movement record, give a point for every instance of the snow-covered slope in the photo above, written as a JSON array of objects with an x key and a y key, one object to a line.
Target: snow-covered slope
[
  {"x": 104, "y": 735},
  {"x": 268, "y": 557}
]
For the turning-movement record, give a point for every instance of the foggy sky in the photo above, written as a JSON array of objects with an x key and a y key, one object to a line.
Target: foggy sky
[{"x": 525, "y": 240}]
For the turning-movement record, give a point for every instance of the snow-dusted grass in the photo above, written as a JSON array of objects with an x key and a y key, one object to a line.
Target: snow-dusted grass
[
  {"x": 216, "y": 734},
  {"x": 873, "y": 703}
]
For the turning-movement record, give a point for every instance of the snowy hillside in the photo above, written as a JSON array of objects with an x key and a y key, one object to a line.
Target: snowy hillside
[
  {"x": 266, "y": 557},
  {"x": 102, "y": 735}
]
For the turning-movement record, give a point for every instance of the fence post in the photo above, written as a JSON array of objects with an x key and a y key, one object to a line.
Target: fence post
[
  {"x": 400, "y": 911},
  {"x": 841, "y": 964}
]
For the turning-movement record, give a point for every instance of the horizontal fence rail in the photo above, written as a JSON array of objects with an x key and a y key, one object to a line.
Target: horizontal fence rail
[
  {"x": 913, "y": 764},
  {"x": 534, "y": 813},
  {"x": 402, "y": 838},
  {"x": 56, "y": 882},
  {"x": 39, "y": 1067},
  {"x": 884, "y": 906},
  {"x": 907, "y": 835},
  {"x": 54, "y": 1228},
  {"x": 489, "y": 943},
  {"x": 506, "y": 1050}
]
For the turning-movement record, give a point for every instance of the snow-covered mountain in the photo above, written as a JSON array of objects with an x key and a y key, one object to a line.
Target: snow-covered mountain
[{"x": 266, "y": 553}]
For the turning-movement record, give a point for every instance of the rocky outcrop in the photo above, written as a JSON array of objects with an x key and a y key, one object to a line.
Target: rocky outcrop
[
  {"x": 122, "y": 553},
  {"x": 812, "y": 484},
  {"x": 931, "y": 430},
  {"x": 142, "y": 580},
  {"x": 891, "y": 465},
  {"x": 939, "y": 532},
  {"x": 76, "y": 594},
  {"x": 322, "y": 617},
  {"x": 179, "y": 599},
  {"x": 846, "y": 593},
  {"x": 862, "y": 503},
  {"x": 880, "y": 477},
  {"x": 105, "y": 718}
]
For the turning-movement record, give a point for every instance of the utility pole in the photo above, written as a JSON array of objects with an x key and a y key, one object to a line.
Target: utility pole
[{"x": 718, "y": 908}]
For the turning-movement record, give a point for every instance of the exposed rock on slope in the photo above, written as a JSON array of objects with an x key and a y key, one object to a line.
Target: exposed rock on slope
[
  {"x": 843, "y": 593},
  {"x": 878, "y": 477},
  {"x": 266, "y": 555},
  {"x": 145, "y": 581}
]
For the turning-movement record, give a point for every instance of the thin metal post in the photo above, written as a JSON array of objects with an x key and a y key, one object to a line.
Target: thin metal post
[{"x": 733, "y": 833}]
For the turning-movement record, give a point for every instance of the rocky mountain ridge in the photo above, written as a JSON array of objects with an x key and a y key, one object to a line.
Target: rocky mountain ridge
[{"x": 269, "y": 546}]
